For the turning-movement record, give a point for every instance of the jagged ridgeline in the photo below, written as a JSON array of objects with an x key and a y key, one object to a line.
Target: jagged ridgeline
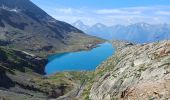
[{"x": 25, "y": 26}]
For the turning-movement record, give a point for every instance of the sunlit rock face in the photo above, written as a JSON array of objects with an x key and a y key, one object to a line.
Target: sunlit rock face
[{"x": 136, "y": 72}]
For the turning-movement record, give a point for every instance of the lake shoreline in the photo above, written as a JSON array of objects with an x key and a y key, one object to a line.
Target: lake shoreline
[
  {"x": 85, "y": 48},
  {"x": 83, "y": 60}
]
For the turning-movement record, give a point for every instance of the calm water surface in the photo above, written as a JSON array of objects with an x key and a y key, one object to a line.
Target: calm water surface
[{"x": 78, "y": 61}]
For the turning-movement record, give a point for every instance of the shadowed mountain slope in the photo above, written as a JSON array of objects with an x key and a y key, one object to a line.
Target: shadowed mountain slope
[{"x": 25, "y": 26}]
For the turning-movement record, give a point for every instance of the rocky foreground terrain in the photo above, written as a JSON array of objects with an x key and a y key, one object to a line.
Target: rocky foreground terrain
[{"x": 134, "y": 72}]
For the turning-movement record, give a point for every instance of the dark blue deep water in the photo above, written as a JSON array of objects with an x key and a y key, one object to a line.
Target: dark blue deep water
[{"x": 78, "y": 61}]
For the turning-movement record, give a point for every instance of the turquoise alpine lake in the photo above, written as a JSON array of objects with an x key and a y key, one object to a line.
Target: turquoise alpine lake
[{"x": 79, "y": 61}]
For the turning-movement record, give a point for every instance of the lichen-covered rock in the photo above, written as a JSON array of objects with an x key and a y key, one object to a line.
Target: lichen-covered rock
[{"x": 135, "y": 73}]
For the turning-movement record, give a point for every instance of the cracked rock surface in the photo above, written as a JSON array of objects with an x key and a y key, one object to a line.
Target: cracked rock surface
[{"x": 135, "y": 72}]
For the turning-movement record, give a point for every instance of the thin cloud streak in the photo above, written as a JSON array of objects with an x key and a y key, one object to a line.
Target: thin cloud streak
[
  {"x": 116, "y": 11},
  {"x": 153, "y": 14},
  {"x": 68, "y": 10},
  {"x": 166, "y": 13}
]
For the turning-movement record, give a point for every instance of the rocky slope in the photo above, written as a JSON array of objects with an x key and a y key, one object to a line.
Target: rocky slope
[
  {"x": 17, "y": 68},
  {"x": 135, "y": 72},
  {"x": 24, "y": 25}
]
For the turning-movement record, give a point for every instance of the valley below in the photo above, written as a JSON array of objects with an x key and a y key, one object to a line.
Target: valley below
[
  {"x": 42, "y": 58},
  {"x": 135, "y": 71}
]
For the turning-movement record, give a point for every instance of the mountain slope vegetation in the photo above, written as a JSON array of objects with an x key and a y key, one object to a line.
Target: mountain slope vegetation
[
  {"x": 25, "y": 26},
  {"x": 22, "y": 77}
]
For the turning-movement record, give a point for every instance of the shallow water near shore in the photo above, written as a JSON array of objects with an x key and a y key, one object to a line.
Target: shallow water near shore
[{"x": 79, "y": 61}]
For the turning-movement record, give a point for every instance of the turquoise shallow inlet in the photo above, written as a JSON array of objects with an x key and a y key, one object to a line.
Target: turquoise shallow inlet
[{"x": 79, "y": 61}]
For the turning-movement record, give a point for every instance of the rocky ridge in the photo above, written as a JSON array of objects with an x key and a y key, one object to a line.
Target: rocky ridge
[{"x": 134, "y": 72}]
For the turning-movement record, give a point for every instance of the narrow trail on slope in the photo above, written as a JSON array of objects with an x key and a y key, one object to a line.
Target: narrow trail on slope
[{"x": 81, "y": 88}]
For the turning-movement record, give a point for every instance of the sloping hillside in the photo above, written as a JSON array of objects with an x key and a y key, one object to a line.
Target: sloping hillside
[
  {"x": 25, "y": 26},
  {"x": 22, "y": 78},
  {"x": 17, "y": 68},
  {"x": 135, "y": 72}
]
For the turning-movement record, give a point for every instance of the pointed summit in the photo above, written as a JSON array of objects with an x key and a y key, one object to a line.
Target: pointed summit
[{"x": 80, "y": 25}]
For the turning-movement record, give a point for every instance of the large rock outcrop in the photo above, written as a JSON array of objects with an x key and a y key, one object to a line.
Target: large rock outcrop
[{"x": 135, "y": 72}]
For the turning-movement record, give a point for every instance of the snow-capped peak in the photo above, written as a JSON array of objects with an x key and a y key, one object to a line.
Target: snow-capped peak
[
  {"x": 78, "y": 23},
  {"x": 99, "y": 25}
]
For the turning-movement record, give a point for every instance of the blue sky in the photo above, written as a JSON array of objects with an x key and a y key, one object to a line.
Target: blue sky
[{"x": 109, "y": 12}]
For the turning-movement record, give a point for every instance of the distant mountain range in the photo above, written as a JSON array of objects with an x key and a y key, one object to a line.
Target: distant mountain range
[
  {"x": 139, "y": 32},
  {"x": 25, "y": 26}
]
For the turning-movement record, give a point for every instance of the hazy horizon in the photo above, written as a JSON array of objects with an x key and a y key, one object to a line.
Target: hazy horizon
[
  {"x": 109, "y": 13},
  {"x": 120, "y": 24}
]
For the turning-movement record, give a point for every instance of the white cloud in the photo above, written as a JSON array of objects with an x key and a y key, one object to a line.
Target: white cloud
[
  {"x": 163, "y": 13},
  {"x": 67, "y": 10},
  {"x": 116, "y": 11},
  {"x": 152, "y": 14},
  {"x": 71, "y": 19}
]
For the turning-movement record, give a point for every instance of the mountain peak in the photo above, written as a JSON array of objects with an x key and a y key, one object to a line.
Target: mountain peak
[
  {"x": 142, "y": 24},
  {"x": 78, "y": 23},
  {"x": 99, "y": 25}
]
